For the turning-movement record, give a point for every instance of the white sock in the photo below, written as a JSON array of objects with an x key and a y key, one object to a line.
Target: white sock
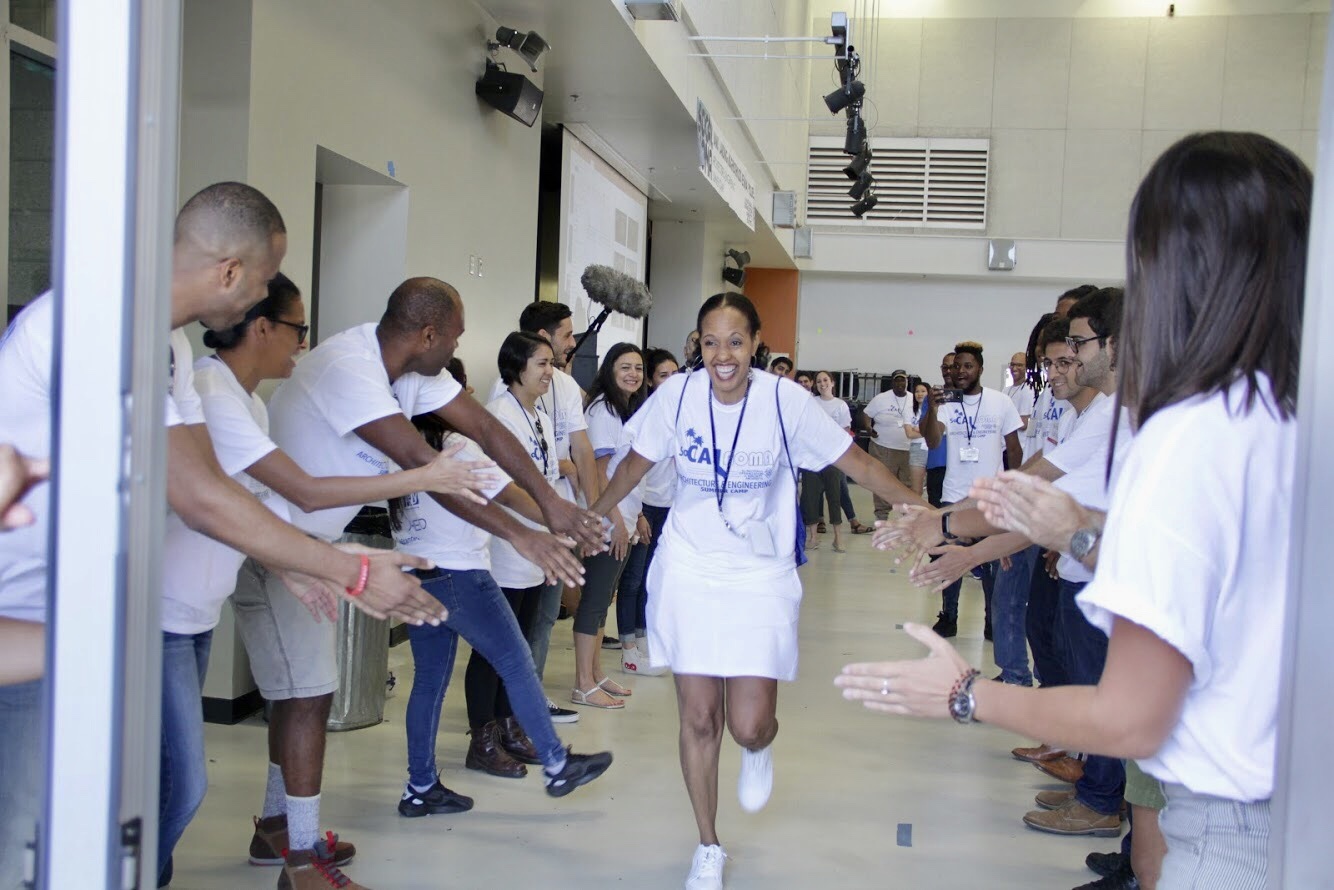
[
  {"x": 275, "y": 793},
  {"x": 627, "y": 642},
  {"x": 422, "y": 789},
  {"x": 555, "y": 769},
  {"x": 303, "y": 822}
]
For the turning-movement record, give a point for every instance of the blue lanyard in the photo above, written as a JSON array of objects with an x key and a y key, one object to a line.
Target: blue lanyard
[
  {"x": 968, "y": 427},
  {"x": 537, "y": 432},
  {"x": 720, "y": 492}
]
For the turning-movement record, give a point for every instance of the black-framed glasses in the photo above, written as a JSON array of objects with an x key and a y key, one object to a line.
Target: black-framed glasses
[
  {"x": 1075, "y": 342},
  {"x": 301, "y": 329},
  {"x": 1061, "y": 364},
  {"x": 542, "y": 443}
]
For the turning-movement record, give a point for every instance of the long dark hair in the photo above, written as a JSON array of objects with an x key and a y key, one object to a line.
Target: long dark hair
[
  {"x": 1032, "y": 360},
  {"x": 282, "y": 295},
  {"x": 435, "y": 431},
  {"x": 1216, "y": 257},
  {"x": 604, "y": 387},
  {"x": 654, "y": 359}
]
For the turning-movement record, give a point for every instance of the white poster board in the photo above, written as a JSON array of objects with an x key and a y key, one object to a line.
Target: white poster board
[{"x": 604, "y": 220}]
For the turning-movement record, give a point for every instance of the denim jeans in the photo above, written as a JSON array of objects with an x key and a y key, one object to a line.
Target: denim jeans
[
  {"x": 1104, "y": 781},
  {"x": 949, "y": 597},
  {"x": 1009, "y": 607},
  {"x": 1043, "y": 626},
  {"x": 632, "y": 595},
  {"x": 480, "y": 613},
  {"x": 184, "y": 776},
  {"x": 22, "y": 775},
  {"x": 544, "y": 619}
]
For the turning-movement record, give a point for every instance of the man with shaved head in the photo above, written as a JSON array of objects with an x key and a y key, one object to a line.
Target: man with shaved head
[{"x": 346, "y": 411}]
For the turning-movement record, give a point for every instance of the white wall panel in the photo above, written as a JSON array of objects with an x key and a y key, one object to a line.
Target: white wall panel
[
  {"x": 1184, "y": 83},
  {"x": 1264, "y": 81},
  {"x": 1032, "y": 73},
  {"x": 1102, "y": 170},
  {"x": 958, "y": 64},
  {"x": 1022, "y": 199},
  {"x": 1107, "y": 70}
]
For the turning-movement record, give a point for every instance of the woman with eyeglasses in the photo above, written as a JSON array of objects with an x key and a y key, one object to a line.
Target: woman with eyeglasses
[
  {"x": 202, "y": 573},
  {"x": 500, "y": 747}
]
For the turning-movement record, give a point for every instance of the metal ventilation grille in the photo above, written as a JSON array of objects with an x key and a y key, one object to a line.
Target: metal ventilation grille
[{"x": 920, "y": 183}]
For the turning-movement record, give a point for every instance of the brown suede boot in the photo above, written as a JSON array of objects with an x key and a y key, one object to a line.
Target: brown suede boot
[
  {"x": 486, "y": 754},
  {"x": 270, "y": 843},
  {"x": 314, "y": 870},
  {"x": 516, "y": 742}
]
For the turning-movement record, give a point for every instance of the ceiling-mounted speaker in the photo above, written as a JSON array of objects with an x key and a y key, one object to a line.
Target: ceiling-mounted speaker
[
  {"x": 511, "y": 93},
  {"x": 803, "y": 243},
  {"x": 785, "y": 209}
]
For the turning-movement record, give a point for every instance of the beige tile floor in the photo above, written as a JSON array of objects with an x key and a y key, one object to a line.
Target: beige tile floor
[{"x": 845, "y": 779}]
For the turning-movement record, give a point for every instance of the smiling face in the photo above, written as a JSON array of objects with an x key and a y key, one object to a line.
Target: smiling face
[
  {"x": 535, "y": 378},
  {"x": 281, "y": 341},
  {"x": 663, "y": 372},
  {"x": 824, "y": 385},
  {"x": 562, "y": 341},
  {"x": 628, "y": 372},
  {"x": 947, "y": 369},
  {"x": 1095, "y": 356},
  {"x": 240, "y": 282},
  {"x": 807, "y": 382},
  {"x": 920, "y": 392},
  {"x": 1018, "y": 368},
  {"x": 899, "y": 385},
  {"x": 967, "y": 372},
  {"x": 727, "y": 345},
  {"x": 1061, "y": 371}
]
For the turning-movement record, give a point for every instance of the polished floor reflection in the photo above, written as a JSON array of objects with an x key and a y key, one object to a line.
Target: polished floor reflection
[{"x": 846, "y": 780}]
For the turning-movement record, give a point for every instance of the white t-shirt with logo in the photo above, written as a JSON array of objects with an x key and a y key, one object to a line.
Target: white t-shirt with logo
[
  {"x": 889, "y": 413},
  {"x": 509, "y": 568},
  {"x": 759, "y": 492},
  {"x": 1196, "y": 550},
  {"x": 1022, "y": 396},
  {"x": 564, "y": 404},
  {"x": 1087, "y": 482},
  {"x": 838, "y": 411},
  {"x": 660, "y": 484},
  {"x": 1043, "y": 430},
  {"x": 342, "y": 385},
  {"x": 606, "y": 433},
  {"x": 977, "y": 428},
  {"x": 427, "y": 529},
  {"x": 199, "y": 573},
  {"x": 26, "y": 357}
]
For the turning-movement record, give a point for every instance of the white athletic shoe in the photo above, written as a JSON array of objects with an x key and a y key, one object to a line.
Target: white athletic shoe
[
  {"x": 756, "y": 781},
  {"x": 706, "y": 869},
  {"x": 635, "y": 661}
]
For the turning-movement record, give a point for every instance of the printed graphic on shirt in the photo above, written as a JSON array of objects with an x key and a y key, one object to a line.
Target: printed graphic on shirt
[{"x": 733, "y": 472}]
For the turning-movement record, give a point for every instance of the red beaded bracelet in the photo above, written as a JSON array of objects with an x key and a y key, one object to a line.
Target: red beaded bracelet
[{"x": 361, "y": 578}]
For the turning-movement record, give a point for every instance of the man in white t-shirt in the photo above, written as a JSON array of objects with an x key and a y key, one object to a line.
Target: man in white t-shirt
[
  {"x": 345, "y": 412},
  {"x": 1020, "y": 391},
  {"x": 228, "y": 242},
  {"x": 982, "y": 430},
  {"x": 885, "y": 417}
]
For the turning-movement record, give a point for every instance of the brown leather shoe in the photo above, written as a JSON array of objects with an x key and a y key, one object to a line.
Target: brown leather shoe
[
  {"x": 1040, "y": 754},
  {"x": 1066, "y": 769},
  {"x": 516, "y": 742},
  {"x": 1054, "y": 800},
  {"x": 270, "y": 841},
  {"x": 1075, "y": 819},
  {"x": 313, "y": 870},
  {"x": 485, "y": 754}
]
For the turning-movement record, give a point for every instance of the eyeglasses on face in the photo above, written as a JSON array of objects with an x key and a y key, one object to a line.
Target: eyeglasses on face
[
  {"x": 301, "y": 329},
  {"x": 1061, "y": 364},
  {"x": 1075, "y": 342}
]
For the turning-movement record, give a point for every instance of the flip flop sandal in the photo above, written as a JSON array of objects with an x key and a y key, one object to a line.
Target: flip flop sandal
[
  {"x": 616, "y": 690},
  {"x": 582, "y": 698}
]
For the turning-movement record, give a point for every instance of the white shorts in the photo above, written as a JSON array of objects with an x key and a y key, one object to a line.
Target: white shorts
[
  {"x": 291, "y": 654},
  {"x": 699, "y": 624}
]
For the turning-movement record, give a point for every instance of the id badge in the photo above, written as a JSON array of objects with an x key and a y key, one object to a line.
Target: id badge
[
  {"x": 969, "y": 454},
  {"x": 761, "y": 538}
]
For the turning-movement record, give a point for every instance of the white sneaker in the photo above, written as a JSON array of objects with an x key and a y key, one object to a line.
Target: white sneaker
[
  {"x": 756, "y": 781},
  {"x": 633, "y": 661},
  {"x": 706, "y": 869}
]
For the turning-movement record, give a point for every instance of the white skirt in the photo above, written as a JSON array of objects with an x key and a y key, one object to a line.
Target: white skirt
[{"x": 700, "y": 624}]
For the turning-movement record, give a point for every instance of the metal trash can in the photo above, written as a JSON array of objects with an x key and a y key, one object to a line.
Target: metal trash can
[{"x": 363, "y": 641}]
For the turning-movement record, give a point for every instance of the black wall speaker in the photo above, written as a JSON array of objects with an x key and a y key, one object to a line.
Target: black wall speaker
[{"x": 513, "y": 94}]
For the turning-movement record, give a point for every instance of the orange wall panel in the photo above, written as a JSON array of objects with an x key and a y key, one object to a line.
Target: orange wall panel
[{"x": 774, "y": 293}]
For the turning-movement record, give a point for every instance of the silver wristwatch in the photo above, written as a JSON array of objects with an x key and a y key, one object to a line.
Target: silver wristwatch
[
  {"x": 1083, "y": 542},
  {"x": 961, "y": 701}
]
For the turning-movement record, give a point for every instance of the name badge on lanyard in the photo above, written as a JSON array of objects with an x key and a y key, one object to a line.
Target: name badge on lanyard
[{"x": 969, "y": 455}]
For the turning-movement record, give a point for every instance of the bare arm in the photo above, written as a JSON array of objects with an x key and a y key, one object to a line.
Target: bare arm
[
  {"x": 210, "y": 502},
  {"x": 932, "y": 429},
  {"x": 18, "y": 474},
  {"x": 954, "y": 561},
  {"x": 627, "y": 476},
  {"x": 22, "y": 651},
  {"x": 581, "y": 452},
  {"x": 871, "y": 473},
  {"x": 399, "y": 440},
  {"x": 562, "y": 517},
  {"x": 1014, "y": 452}
]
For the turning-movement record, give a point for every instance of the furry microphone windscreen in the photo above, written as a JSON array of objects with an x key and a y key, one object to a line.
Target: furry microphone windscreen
[{"x": 617, "y": 291}]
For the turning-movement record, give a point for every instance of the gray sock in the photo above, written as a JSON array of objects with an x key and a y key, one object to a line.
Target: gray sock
[
  {"x": 275, "y": 793},
  {"x": 303, "y": 822}
]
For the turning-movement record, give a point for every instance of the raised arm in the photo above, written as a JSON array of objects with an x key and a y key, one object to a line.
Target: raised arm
[
  {"x": 626, "y": 477},
  {"x": 210, "y": 502},
  {"x": 932, "y": 429},
  {"x": 871, "y": 473}
]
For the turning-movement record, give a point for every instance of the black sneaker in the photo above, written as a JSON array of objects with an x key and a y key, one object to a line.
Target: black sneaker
[
  {"x": 439, "y": 800},
  {"x": 610, "y": 642},
  {"x": 580, "y": 769},
  {"x": 986, "y": 633},
  {"x": 946, "y": 626},
  {"x": 561, "y": 715},
  {"x": 1105, "y": 864},
  {"x": 1122, "y": 879}
]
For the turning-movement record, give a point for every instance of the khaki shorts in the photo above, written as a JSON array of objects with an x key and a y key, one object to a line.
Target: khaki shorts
[
  {"x": 1142, "y": 789},
  {"x": 291, "y": 654}
]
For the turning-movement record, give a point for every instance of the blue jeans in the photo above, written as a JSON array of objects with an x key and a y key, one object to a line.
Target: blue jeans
[
  {"x": 1043, "y": 626},
  {"x": 1009, "y": 607},
  {"x": 1104, "y": 781},
  {"x": 184, "y": 777},
  {"x": 657, "y": 521},
  {"x": 949, "y": 597},
  {"x": 631, "y": 595},
  {"x": 22, "y": 775},
  {"x": 478, "y": 612},
  {"x": 539, "y": 635}
]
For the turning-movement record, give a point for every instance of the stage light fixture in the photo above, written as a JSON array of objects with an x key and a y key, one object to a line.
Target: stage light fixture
[
  {"x": 844, "y": 96},
  {"x": 857, "y": 166},
  {"x": 864, "y": 182},
  {"x": 868, "y": 201},
  {"x": 740, "y": 257},
  {"x": 856, "y": 138},
  {"x": 529, "y": 45}
]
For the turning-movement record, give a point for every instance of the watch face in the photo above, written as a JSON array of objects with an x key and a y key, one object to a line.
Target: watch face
[{"x": 1082, "y": 543}]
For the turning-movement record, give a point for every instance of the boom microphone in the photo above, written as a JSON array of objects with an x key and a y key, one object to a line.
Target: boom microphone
[{"x": 615, "y": 292}]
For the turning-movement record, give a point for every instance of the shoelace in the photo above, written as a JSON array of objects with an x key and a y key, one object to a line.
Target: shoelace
[{"x": 712, "y": 862}]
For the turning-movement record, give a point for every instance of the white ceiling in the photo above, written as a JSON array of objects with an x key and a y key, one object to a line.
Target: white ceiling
[{"x": 599, "y": 74}]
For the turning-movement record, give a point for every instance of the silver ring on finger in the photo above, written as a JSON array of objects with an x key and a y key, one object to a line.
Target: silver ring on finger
[{"x": 884, "y": 687}]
